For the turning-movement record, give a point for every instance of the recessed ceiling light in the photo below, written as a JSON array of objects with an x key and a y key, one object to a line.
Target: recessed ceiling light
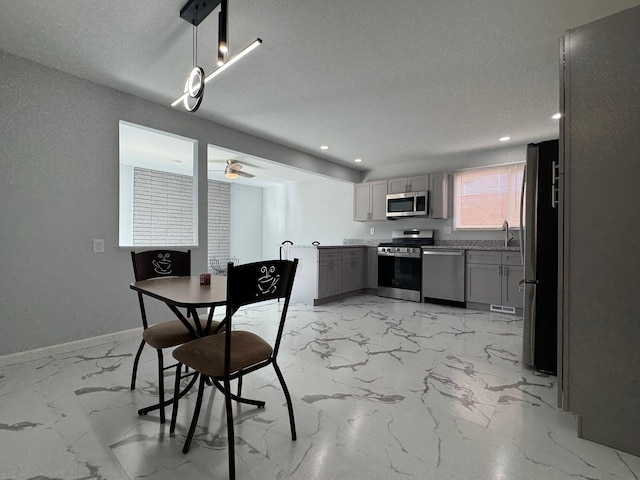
[
  {"x": 324, "y": 147},
  {"x": 557, "y": 116},
  {"x": 505, "y": 139},
  {"x": 358, "y": 160}
]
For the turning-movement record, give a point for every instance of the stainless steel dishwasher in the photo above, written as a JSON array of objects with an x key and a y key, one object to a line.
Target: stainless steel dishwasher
[{"x": 443, "y": 275}]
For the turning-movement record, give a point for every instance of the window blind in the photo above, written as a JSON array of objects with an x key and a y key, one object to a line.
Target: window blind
[
  {"x": 162, "y": 208},
  {"x": 485, "y": 197}
]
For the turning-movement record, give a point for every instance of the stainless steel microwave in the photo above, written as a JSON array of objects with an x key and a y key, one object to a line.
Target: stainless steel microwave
[{"x": 411, "y": 204}]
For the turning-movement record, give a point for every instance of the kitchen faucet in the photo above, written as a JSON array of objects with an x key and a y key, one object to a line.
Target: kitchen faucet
[{"x": 505, "y": 227}]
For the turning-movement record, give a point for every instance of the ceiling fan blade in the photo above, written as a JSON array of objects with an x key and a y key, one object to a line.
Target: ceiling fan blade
[{"x": 244, "y": 174}]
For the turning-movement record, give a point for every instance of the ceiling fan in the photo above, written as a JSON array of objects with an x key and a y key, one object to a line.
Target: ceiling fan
[{"x": 234, "y": 170}]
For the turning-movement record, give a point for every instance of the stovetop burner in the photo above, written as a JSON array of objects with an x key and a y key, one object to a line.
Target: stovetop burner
[
  {"x": 406, "y": 243},
  {"x": 409, "y": 238}
]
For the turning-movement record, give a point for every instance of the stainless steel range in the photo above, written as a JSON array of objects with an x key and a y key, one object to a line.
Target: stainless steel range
[{"x": 400, "y": 264}]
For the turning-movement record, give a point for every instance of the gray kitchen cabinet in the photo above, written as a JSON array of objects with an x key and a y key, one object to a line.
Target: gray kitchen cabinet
[
  {"x": 484, "y": 283},
  {"x": 370, "y": 201},
  {"x": 352, "y": 269},
  {"x": 493, "y": 277},
  {"x": 329, "y": 278},
  {"x": 418, "y": 183},
  {"x": 327, "y": 273},
  {"x": 512, "y": 273},
  {"x": 438, "y": 195},
  {"x": 372, "y": 269}
]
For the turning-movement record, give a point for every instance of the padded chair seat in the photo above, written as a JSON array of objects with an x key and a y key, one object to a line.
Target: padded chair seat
[
  {"x": 206, "y": 355},
  {"x": 170, "y": 333}
]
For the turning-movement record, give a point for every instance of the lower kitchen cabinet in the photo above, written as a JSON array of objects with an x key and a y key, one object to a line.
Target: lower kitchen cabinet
[
  {"x": 352, "y": 269},
  {"x": 512, "y": 296},
  {"x": 371, "y": 282},
  {"x": 327, "y": 273},
  {"x": 493, "y": 277},
  {"x": 329, "y": 278}
]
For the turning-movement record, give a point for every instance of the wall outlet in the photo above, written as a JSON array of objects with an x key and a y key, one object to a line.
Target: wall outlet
[
  {"x": 372, "y": 231},
  {"x": 98, "y": 245},
  {"x": 447, "y": 230}
]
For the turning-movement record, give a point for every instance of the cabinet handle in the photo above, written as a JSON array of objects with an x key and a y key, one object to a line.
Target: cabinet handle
[
  {"x": 443, "y": 253},
  {"x": 499, "y": 270}
]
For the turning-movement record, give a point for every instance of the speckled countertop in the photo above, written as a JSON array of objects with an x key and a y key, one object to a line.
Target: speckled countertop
[
  {"x": 440, "y": 245},
  {"x": 444, "y": 244}
]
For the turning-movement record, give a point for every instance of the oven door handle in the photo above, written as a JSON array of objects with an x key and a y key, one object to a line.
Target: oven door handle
[{"x": 437, "y": 252}]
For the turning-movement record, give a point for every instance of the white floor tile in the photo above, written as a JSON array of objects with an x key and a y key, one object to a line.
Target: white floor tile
[{"x": 382, "y": 389}]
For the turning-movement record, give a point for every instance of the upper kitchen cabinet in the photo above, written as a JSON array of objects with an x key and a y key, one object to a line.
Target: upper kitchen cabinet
[
  {"x": 438, "y": 195},
  {"x": 369, "y": 201},
  {"x": 408, "y": 184}
]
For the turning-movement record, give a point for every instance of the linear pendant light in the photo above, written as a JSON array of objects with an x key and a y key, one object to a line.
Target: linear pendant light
[
  {"x": 219, "y": 70},
  {"x": 194, "y": 12}
]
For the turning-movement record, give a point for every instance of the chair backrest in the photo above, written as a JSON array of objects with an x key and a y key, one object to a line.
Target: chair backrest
[
  {"x": 257, "y": 282},
  {"x": 161, "y": 263}
]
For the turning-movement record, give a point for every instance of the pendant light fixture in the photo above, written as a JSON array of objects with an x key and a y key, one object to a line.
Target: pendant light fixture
[
  {"x": 195, "y": 11},
  {"x": 194, "y": 88},
  {"x": 223, "y": 33}
]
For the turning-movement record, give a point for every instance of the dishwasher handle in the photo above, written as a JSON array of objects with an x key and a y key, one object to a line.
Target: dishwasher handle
[{"x": 443, "y": 253}]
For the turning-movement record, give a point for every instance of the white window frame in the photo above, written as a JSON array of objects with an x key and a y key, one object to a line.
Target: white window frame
[
  {"x": 137, "y": 155},
  {"x": 513, "y": 185}
]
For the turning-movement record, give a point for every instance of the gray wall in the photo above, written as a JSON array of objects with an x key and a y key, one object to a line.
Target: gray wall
[
  {"x": 602, "y": 231},
  {"x": 59, "y": 190}
]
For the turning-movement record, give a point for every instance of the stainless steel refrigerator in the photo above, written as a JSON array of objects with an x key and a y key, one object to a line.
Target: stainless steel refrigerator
[
  {"x": 599, "y": 374},
  {"x": 538, "y": 209}
]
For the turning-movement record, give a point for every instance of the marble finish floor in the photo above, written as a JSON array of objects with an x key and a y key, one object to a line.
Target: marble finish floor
[{"x": 382, "y": 389}]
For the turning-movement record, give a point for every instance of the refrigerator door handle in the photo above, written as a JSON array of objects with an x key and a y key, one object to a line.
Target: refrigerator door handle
[
  {"x": 522, "y": 192},
  {"x": 555, "y": 173}
]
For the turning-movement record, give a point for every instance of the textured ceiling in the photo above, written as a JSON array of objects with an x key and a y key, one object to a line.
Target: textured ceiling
[{"x": 397, "y": 82}]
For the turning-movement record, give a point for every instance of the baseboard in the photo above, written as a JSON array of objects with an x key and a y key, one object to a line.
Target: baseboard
[
  {"x": 44, "y": 352},
  {"x": 340, "y": 296}
]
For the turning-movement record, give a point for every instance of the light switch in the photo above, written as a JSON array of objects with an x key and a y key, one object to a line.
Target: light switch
[
  {"x": 98, "y": 245},
  {"x": 447, "y": 230}
]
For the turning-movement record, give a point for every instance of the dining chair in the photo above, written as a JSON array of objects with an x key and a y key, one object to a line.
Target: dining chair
[
  {"x": 232, "y": 354},
  {"x": 168, "y": 333}
]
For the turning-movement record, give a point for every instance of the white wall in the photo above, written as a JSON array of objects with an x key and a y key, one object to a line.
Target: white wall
[
  {"x": 314, "y": 210},
  {"x": 246, "y": 223},
  {"x": 321, "y": 210}
]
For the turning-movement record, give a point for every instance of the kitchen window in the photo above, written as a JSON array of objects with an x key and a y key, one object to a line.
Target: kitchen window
[{"x": 485, "y": 197}]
